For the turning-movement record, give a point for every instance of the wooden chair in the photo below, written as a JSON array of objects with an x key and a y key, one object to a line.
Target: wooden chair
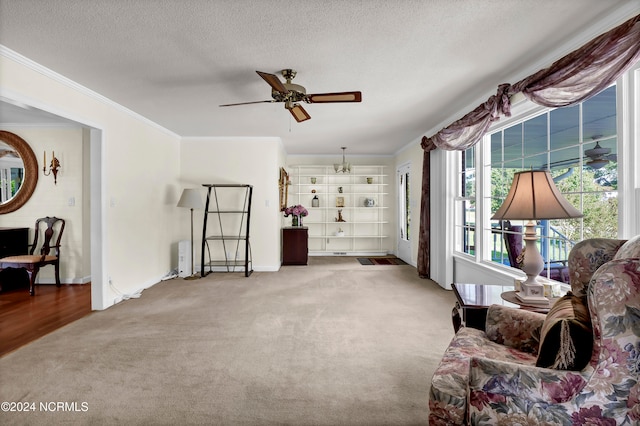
[{"x": 49, "y": 253}]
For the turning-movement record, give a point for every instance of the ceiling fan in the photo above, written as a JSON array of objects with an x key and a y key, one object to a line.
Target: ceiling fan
[
  {"x": 599, "y": 157},
  {"x": 596, "y": 157},
  {"x": 291, "y": 94}
]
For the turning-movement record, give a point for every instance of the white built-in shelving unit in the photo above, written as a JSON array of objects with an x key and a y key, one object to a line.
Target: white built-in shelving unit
[{"x": 365, "y": 230}]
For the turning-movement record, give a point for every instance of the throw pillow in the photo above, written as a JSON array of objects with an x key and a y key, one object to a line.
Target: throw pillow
[
  {"x": 629, "y": 249},
  {"x": 566, "y": 336}
]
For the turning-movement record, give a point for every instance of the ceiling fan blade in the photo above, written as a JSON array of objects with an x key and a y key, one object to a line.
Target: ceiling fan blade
[
  {"x": 246, "y": 103},
  {"x": 334, "y": 97},
  {"x": 299, "y": 113},
  {"x": 273, "y": 81}
]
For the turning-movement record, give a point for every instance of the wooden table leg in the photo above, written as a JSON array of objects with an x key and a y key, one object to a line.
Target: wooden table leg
[{"x": 455, "y": 317}]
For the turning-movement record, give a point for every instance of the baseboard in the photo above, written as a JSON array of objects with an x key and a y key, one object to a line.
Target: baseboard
[{"x": 49, "y": 281}]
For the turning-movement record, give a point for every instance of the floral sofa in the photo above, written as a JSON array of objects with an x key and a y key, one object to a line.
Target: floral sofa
[{"x": 579, "y": 364}]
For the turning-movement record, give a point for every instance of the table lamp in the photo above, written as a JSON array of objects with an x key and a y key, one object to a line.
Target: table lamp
[
  {"x": 191, "y": 199},
  {"x": 534, "y": 196}
]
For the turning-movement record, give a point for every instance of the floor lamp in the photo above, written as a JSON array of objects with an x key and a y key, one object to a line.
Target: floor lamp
[
  {"x": 534, "y": 196},
  {"x": 191, "y": 199}
]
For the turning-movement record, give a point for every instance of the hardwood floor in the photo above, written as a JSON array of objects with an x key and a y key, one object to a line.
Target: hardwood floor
[{"x": 24, "y": 318}]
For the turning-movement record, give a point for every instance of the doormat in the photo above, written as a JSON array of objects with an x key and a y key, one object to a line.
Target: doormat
[{"x": 381, "y": 261}]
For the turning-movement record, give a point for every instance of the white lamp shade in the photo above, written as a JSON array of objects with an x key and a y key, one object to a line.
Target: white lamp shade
[
  {"x": 191, "y": 199},
  {"x": 533, "y": 195}
]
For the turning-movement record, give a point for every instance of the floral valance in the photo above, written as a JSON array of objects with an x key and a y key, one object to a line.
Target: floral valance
[{"x": 573, "y": 79}]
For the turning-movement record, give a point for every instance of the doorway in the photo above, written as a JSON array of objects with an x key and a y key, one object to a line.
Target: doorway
[
  {"x": 404, "y": 212},
  {"x": 21, "y": 113}
]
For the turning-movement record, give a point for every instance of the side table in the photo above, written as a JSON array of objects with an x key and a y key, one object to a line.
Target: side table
[{"x": 474, "y": 301}]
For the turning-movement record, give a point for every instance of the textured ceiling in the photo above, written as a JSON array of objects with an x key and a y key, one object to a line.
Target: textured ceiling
[{"x": 417, "y": 63}]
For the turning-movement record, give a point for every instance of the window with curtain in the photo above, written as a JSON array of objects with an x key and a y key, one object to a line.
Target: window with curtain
[{"x": 578, "y": 145}]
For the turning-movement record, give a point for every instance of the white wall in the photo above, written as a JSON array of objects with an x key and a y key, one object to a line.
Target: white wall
[
  {"x": 251, "y": 161},
  {"x": 137, "y": 184}
]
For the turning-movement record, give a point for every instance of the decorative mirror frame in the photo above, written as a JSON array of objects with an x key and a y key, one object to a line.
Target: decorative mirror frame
[
  {"x": 283, "y": 185},
  {"x": 30, "y": 172}
]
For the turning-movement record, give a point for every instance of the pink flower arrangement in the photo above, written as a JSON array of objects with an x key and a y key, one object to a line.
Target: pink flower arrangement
[{"x": 296, "y": 211}]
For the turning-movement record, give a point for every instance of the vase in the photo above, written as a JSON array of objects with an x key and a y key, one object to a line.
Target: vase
[{"x": 295, "y": 220}]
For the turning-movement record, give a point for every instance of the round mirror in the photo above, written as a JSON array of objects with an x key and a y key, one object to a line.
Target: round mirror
[{"x": 18, "y": 172}]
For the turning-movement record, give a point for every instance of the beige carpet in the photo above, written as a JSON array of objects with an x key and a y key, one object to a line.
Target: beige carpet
[{"x": 332, "y": 343}]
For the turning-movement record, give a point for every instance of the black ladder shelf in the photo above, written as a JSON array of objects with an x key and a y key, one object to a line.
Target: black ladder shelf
[{"x": 231, "y": 205}]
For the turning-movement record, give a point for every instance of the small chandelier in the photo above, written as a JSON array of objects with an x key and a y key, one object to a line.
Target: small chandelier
[{"x": 344, "y": 167}]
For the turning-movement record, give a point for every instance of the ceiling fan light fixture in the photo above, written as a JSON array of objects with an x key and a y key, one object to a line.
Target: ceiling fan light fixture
[
  {"x": 598, "y": 163},
  {"x": 345, "y": 167},
  {"x": 290, "y": 94}
]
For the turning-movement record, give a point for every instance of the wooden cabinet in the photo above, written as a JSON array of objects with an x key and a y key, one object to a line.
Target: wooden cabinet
[
  {"x": 295, "y": 245},
  {"x": 13, "y": 241},
  {"x": 348, "y": 212}
]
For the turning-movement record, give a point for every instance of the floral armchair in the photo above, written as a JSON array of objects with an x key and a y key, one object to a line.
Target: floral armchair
[{"x": 496, "y": 378}]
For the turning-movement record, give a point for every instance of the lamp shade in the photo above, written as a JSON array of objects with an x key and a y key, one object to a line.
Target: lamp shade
[
  {"x": 191, "y": 199},
  {"x": 534, "y": 195}
]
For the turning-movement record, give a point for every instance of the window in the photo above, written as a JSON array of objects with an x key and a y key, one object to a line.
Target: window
[
  {"x": 578, "y": 145},
  {"x": 465, "y": 223},
  {"x": 404, "y": 195}
]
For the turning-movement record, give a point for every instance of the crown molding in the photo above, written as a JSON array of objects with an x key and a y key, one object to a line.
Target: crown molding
[{"x": 59, "y": 78}]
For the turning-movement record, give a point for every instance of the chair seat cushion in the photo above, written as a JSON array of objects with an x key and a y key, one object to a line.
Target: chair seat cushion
[{"x": 27, "y": 259}]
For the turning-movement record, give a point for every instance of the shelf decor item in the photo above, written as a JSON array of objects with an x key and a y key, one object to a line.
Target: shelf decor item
[
  {"x": 315, "y": 202},
  {"x": 297, "y": 212},
  {"x": 369, "y": 180},
  {"x": 313, "y": 180}
]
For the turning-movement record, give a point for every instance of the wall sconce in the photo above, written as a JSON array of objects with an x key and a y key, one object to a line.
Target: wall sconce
[{"x": 53, "y": 167}]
